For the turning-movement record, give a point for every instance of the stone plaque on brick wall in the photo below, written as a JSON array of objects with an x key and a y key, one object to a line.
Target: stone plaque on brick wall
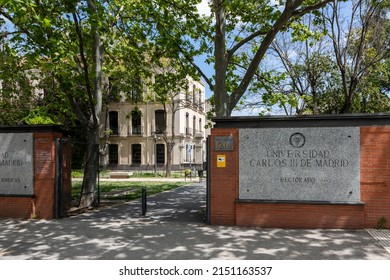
[
  {"x": 300, "y": 164},
  {"x": 16, "y": 164}
]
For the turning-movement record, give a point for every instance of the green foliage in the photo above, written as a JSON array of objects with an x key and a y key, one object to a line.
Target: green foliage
[
  {"x": 16, "y": 91},
  {"x": 321, "y": 73},
  {"x": 381, "y": 223},
  {"x": 38, "y": 116},
  {"x": 77, "y": 173}
]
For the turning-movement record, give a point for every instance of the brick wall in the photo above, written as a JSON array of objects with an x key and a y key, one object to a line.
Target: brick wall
[
  {"x": 284, "y": 215},
  {"x": 15, "y": 207},
  {"x": 44, "y": 174},
  {"x": 375, "y": 174},
  {"x": 42, "y": 203},
  {"x": 226, "y": 209}
]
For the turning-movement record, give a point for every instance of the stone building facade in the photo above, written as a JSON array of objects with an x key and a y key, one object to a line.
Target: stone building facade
[{"x": 132, "y": 132}]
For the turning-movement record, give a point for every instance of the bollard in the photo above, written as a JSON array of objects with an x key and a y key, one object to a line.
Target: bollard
[
  {"x": 200, "y": 174},
  {"x": 144, "y": 202}
]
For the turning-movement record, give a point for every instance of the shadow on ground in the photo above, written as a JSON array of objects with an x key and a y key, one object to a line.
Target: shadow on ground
[{"x": 173, "y": 229}]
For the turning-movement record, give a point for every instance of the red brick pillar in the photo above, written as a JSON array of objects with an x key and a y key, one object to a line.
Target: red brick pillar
[
  {"x": 44, "y": 173},
  {"x": 375, "y": 174},
  {"x": 224, "y": 180}
]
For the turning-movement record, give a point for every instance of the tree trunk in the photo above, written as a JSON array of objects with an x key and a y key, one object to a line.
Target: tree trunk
[
  {"x": 91, "y": 169},
  {"x": 220, "y": 90},
  {"x": 170, "y": 143},
  {"x": 168, "y": 169}
]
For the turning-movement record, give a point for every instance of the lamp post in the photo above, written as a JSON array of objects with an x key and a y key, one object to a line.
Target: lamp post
[{"x": 155, "y": 153}]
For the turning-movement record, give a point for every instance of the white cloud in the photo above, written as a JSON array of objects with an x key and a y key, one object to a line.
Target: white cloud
[{"x": 203, "y": 8}]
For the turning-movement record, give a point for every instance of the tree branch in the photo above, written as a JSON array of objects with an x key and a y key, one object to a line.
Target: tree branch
[
  {"x": 5, "y": 34},
  {"x": 85, "y": 63},
  {"x": 243, "y": 42},
  {"x": 308, "y": 9},
  {"x": 283, "y": 19},
  {"x": 191, "y": 61}
]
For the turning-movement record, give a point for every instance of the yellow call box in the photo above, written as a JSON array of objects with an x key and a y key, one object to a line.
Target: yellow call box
[{"x": 221, "y": 160}]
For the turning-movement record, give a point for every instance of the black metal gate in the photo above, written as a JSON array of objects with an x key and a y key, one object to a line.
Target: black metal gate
[
  {"x": 208, "y": 179},
  {"x": 63, "y": 180},
  {"x": 70, "y": 155}
]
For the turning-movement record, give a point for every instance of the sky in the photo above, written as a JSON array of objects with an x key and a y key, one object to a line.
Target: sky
[{"x": 204, "y": 8}]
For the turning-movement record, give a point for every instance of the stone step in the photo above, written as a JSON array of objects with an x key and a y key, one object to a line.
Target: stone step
[{"x": 120, "y": 175}]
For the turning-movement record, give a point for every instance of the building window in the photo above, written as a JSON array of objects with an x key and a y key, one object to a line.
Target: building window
[
  {"x": 200, "y": 125},
  {"x": 193, "y": 153},
  {"x": 160, "y": 150},
  {"x": 113, "y": 154},
  {"x": 194, "y": 126},
  {"x": 194, "y": 95},
  {"x": 136, "y": 92},
  {"x": 200, "y": 98},
  {"x": 113, "y": 122},
  {"x": 188, "y": 124},
  {"x": 113, "y": 90},
  {"x": 136, "y": 122},
  {"x": 187, "y": 93},
  {"x": 159, "y": 121},
  {"x": 136, "y": 154},
  {"x": 189, "y": 156}
]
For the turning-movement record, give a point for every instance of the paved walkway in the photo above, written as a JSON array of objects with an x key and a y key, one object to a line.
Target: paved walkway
[
  {"x": 382, "y": 236},
  {"x": 173, "y": 229}
]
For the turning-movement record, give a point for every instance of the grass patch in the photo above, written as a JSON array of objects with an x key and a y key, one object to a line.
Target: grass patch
[
  {"x": 127, "y": 190},
  {"x": 79, "y": 173},
  {"x": 147, "y": 174}
]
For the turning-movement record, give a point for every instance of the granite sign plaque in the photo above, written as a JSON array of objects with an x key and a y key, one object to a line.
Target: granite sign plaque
[
  {"x": 16, "y": 164},
  {"x": 300, "y": 164}
]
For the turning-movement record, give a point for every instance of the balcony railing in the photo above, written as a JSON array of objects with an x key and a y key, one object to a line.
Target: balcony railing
[
  {"x": 199, "y": 134},
  {"x": 136, "y": 131},
  {"x": 189, "y": 131}
]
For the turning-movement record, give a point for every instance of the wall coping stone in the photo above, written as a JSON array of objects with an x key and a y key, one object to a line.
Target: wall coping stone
[
  {"x": 31, "y": 128},
  {"x": 340, "y": 120},
  {"x": 260, "y": 201}
]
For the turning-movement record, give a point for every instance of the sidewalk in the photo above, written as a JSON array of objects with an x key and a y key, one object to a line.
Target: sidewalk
[{"x": 172, "y": 229}]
